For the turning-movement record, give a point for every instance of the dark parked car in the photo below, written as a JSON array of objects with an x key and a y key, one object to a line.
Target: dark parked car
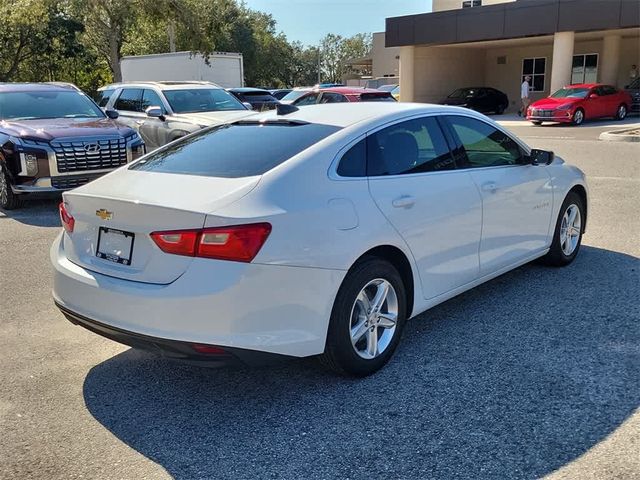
[
  {"x": 54, "y": 138},
  {"x": 480, "y": 99},
  {"x": 280, "y": 93},
  {"x": 633, "y": 89},
  {"x": 258, "y": 98}
]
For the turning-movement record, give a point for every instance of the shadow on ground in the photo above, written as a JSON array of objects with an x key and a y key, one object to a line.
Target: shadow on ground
[
  {"x": 511, "y": 380},
  {"x": 37, "y": 213}
]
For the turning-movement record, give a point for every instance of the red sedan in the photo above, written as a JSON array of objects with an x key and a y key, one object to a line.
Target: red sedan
[
  {"x": 577, "y": 103},
  {"x": 343, "y": 94}
]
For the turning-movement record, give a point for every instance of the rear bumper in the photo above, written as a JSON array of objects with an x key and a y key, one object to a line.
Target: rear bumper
[
  {"x": 263, "y": 308},
  {"x": 173, "y": 349}
]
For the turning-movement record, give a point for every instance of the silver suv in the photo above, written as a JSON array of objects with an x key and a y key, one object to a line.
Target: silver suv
[{"x": 165, "y": 111}]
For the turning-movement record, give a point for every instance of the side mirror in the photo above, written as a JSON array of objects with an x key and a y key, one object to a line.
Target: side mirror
[
  {"x": 593, "y": 95},
  {"x": 541, "y": 157},
  {"x": 155, "y": 112},
  {"x": 247, "y": 105},
  {"x": 112, "y": 114}
]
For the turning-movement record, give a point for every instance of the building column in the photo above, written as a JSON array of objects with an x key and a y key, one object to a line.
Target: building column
[
  {"x": 407, "y": 73},
  {"x": 562, "y": 61},
  {"x": 610, "y": 59}
]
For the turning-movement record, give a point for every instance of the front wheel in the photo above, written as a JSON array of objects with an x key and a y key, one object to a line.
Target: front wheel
[
  {"x": 8, "y": 199},
  {"x": 578, "y": 117},
  {"x": 367, "y": 319},
  {"x": 621, "y": 113},
  {"x": 537, "y": 123},
  {"x": 567, "y": 236}
]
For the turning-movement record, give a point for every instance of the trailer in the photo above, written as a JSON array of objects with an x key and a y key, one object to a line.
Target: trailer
[{"x": 222, "y": 68}]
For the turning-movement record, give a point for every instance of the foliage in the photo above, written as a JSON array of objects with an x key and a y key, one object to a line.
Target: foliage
[{"x": 83, "y": 41}]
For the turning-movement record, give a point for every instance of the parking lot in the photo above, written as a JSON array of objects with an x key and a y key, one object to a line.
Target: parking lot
[{"x": 533, "y": 374}]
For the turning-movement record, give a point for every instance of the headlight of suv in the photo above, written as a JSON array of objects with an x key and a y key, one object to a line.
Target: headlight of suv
[
  {"x": 29, "y": 156},
  {"x": 136, "y": 144}
]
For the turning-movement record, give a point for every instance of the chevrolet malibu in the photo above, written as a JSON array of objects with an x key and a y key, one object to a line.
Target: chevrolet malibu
[{"x": 316, "y": 231}]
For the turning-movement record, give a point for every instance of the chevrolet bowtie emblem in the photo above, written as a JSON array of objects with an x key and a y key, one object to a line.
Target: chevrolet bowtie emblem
[{"x": 104, "y": 214}]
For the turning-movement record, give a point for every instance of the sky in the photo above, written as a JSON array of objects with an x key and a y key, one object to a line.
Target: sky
[{"x": 309, "y": 20}]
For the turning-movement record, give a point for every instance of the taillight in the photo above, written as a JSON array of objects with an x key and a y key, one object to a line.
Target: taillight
[
  {"x": 177, "y": 242},
  {"x": 68, "y": 222},
  {"x": 238, "y": 243}
]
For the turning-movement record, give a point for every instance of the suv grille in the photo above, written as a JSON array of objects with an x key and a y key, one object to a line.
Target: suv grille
[{"x": 90, "y": 154}]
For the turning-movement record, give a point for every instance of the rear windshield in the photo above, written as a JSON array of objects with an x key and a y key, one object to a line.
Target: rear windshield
[
  {"x": 47, "y": 104},
  {"x": 202, "y": 100},
  {"x": 242, "y": 149},
  {"x": 377, "y": 97}
]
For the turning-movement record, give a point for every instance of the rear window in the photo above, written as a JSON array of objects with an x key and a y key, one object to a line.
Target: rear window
[
  {"x": 377, "y": 97},
  {"x": 242, "y": 149}
]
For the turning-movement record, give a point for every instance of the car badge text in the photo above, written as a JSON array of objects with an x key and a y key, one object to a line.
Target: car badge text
[{"x": 104, "y": 214}]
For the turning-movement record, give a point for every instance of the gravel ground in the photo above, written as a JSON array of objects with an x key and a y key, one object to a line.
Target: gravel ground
[{"x": 535, "y": 373}]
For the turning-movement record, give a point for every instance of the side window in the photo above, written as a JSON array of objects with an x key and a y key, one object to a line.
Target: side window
[
  {"x": 309, "y": 99},
  {"x": 484, "y": 145},
  {"x": 130, "y": 100},
  {"x": 102, "y": 97},
  {"x": 151, "y": 99},
  {"x": 354, "y": 162},
  {"x": 330, "y": 97},
  {"x": 609, "y": 90},
  {"x": 414, "y": 146}
]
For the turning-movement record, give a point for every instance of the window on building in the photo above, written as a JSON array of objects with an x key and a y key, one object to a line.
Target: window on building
[
  {"x": 585, "y": 68},
  {"x": 471, "y": 3},
  {"x": 536, "y": 69}
]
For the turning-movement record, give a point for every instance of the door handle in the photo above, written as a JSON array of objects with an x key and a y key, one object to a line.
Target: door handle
[
  {"x": 405, "y": 201},
  {"x": 490, "y": 187}
]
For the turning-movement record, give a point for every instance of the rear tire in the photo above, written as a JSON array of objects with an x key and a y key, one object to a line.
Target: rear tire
[
  {"x": 537, "y": 123},
  {"x": 567, "y": 236},
  {"x": 363, "y": 333},
  {"x": 621, "y": 113},
  {"x": 500, "y": 110},
  {"x": 8, "y": 199}
]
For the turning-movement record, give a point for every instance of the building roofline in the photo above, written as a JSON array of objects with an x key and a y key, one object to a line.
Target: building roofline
[{"x": 517, "y": 19}]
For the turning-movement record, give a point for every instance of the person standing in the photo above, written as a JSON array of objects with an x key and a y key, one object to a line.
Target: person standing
[
  {"x": 633, "y": 74},
  {"x": 524, "y": 96}
]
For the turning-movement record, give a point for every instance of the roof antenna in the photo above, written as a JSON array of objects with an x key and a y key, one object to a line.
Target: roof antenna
[{"x": 283, "y": 109}]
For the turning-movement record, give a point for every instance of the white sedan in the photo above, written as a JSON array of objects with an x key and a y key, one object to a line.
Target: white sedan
[{"x": 310, "y": 232}]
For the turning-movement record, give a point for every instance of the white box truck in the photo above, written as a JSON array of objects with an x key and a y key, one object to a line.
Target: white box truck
[{"x": 225, "y": 69}]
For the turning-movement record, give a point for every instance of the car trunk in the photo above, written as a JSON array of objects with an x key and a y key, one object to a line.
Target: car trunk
[{"x": 116, "y": 215}]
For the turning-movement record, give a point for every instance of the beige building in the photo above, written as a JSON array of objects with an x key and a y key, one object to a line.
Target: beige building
[
  {"x": 495, "y": 43},
  {"x": 382, "y": 62}
]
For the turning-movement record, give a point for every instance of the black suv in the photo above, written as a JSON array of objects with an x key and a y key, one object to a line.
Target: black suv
[
  {"x": 633, "y": 89},
  {"x": 54, "y": 138}
]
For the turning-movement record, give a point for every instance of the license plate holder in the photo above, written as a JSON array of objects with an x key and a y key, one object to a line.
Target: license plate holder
[{"x": 115, "y": 245}]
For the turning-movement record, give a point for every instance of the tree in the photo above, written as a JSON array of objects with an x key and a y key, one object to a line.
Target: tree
[
  {"x": 335, "y": 50},
  {"x": 107, "y": 25},
  {"x": 22, "y": 32}
]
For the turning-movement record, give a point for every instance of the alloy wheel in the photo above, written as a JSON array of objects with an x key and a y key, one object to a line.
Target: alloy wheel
[
  {"x": 374, "y": 318},
  {"x": 578, "y": 117},
  {"x": 622, "y": 112},
  {"x": 570, "y": 229}
]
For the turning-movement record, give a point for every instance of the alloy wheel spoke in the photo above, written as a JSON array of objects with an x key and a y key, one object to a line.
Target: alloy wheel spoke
[
  {"x": 380, "y": 297},
  {"x": 573, "y": 212},
  {"x": 388, "y": 320},
  {"x": 358, "y": 331},
  {"x": 372, "y": 342}
]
